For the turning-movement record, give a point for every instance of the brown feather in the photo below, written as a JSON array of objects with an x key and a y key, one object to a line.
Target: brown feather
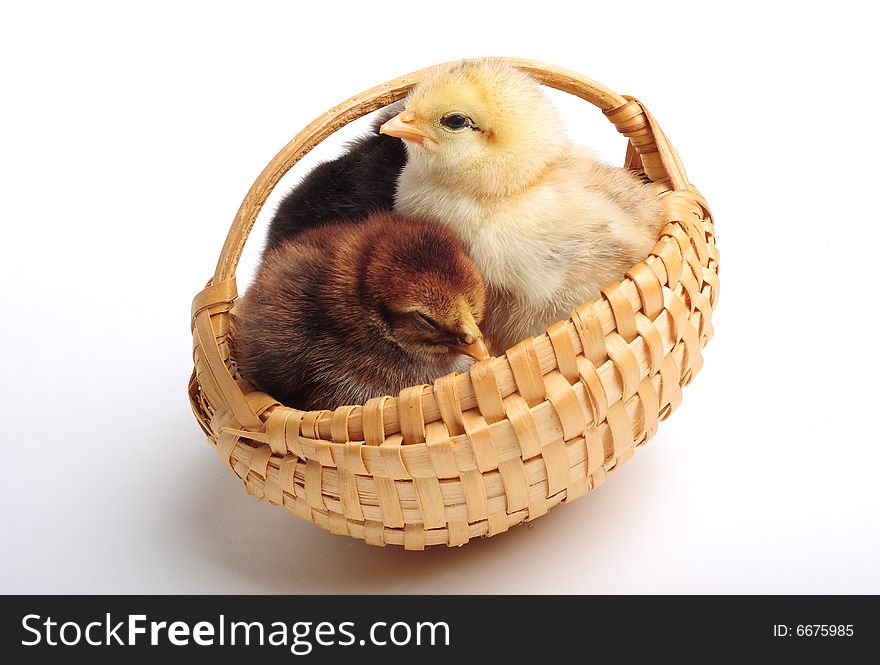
[{"x": 328, "y": 318}]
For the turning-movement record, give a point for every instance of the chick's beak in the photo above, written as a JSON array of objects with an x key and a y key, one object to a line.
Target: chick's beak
[
  {"x": 472, "y": 343},
  {"x": 476, "y": 350},
  {"x": 402, "y": 127}
]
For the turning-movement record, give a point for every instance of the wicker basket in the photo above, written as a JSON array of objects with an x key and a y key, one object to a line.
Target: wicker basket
[{"x": 477, "y": 453}]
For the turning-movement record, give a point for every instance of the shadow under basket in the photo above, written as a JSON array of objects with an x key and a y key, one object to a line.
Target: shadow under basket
[{"x": 475, "y": 453}]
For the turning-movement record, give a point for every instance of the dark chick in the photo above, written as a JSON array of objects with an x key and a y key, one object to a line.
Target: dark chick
[
  {"x": 346, "y": 312},
  {"x": 360, "y": 181}
]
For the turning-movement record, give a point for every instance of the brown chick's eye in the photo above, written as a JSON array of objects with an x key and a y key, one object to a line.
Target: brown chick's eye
[
  {"x": 456, "y": 121},
  {"x": 424, "y": 323}
]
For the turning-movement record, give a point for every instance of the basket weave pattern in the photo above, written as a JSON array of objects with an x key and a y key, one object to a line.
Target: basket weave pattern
[{"x": 476, "y": 453}]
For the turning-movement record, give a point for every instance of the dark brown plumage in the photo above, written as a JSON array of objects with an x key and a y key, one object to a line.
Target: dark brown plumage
[
  {"x": 360, "y": 181},
  {"x": 346, "y": 312}
]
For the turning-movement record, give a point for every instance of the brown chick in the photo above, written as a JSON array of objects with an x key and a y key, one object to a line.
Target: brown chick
[
  {"x": 343, "y": 313},
  {"x": 546, "y": 223}
]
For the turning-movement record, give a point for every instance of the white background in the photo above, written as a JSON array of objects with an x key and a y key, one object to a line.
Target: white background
[{"x": 130, "y": 136}]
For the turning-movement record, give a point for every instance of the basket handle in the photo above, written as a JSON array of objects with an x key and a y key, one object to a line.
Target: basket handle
[{"x": 629, "y": 116}]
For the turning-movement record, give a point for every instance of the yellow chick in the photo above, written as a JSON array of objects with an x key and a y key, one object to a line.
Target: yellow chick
[{"x": 546, "y": 223}]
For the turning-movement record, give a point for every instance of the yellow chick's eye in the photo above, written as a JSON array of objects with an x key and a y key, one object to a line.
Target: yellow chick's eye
[{"x": 456, "y": 121}]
